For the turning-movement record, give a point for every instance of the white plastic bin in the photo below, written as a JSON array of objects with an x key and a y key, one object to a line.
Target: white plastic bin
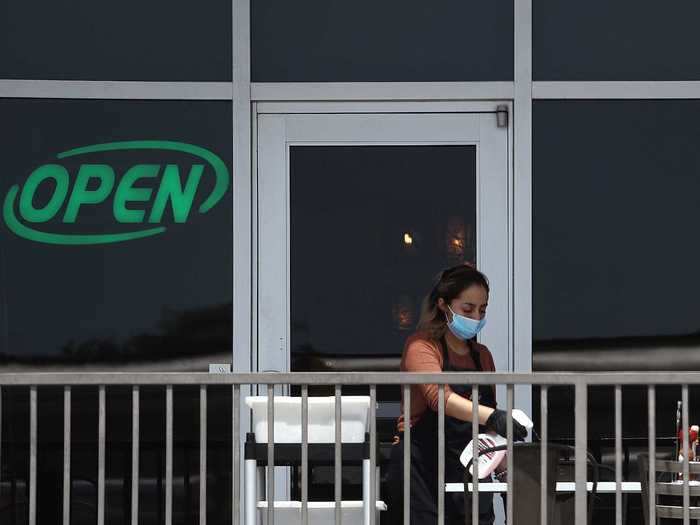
[
  {"x": 354, "y": 417},
  {"x": 320, "y": 512}
]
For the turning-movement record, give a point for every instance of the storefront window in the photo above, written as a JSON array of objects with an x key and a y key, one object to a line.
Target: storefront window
[{"x": 72, "y": 293}]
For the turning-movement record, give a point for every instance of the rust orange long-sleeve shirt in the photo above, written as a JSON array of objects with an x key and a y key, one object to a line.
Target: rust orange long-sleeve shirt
[{"x": 421, "y": 354}]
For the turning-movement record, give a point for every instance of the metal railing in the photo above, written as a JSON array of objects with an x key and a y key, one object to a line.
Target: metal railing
[{"x": 580, "y": 383}]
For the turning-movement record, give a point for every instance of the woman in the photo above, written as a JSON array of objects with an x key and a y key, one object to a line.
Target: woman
[{"x": 453, "y": 314}]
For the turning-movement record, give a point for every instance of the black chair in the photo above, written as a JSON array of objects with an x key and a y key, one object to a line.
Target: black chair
[
  {"x": 526, "y": 480},
  {"x": 669, "y": 497}
]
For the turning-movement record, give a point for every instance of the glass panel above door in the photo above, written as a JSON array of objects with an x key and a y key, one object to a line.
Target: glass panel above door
[{"x": 370, "y": 226}]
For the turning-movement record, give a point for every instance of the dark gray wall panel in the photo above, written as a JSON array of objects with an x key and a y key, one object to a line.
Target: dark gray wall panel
[
  {"x": 615, "y": 40},
  {"x": 153, "y": 40},
  {"x": 365, "y": 40}
]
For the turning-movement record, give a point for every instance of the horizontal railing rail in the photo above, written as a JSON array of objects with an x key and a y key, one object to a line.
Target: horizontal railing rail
[
  {"x": 247, "y": 488},
  {"x": 349, "y": 378}
]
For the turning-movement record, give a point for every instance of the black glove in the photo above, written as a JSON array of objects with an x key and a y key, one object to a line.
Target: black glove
[{"x": 497, "y": 422}]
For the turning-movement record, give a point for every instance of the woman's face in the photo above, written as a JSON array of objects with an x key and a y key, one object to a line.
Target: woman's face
[{"x": 472, "y": 303}]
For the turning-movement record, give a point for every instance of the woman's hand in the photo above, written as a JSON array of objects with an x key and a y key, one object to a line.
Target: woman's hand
[{"x": 498, "y": 421}]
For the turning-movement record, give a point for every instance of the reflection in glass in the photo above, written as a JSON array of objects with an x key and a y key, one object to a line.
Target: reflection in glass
[
  {"x": 404, "y": 313},
  {"x": 370, "y": 227},
  {"x": 458, "y": 239}
]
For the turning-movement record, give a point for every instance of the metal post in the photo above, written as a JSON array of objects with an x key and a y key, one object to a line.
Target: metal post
[
  {"x": 651, "y": 405},
  {"x": 168, "y": 455},
  {"x": 544, "y": 414},
  {"x": 475, "y": 453},
  {"x": 581, "y": 429},
  {"x": 509, "y": 437},
  {"x": 0, "y": 434},
  {"x": 251, "y": 493},
  {"x": 338, "y": 457},
  {"x": 366, "y": 491},
  {"x": 686, "y": 469},
  {"x": 441, "y": 455},
  {"x": 406, "y": 455},
  {"x": 32, "y": 454},
  {"x": 270, "y": 497},
  {"x": 135, "y": 417},
  {"x": 373, "y": 454},
  {"x": 236, "y": 455},
  {"x": 203, "y": 455},
  {"x": 304, "y": 455},
  {"x": 618, "y": 455},
  {"x": 101, "y": 456},
  {"x": 66, "y": 454}
]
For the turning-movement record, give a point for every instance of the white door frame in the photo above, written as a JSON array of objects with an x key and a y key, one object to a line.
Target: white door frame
[{"x": 299, "y": 117}]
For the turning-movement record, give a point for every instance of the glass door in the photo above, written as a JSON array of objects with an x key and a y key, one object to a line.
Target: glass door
[{"x": 356, "y": 215}]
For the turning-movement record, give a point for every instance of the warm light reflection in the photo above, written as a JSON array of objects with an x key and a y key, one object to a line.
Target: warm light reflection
[
  {"x": 404, "y": 315},
  {"x": 407, "y": 239},
  {"x": 458, "y": 240},
  {"x": 405, "y": 320}
]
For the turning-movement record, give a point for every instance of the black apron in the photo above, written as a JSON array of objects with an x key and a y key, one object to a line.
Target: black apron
[{"x": 424, "y": 460}]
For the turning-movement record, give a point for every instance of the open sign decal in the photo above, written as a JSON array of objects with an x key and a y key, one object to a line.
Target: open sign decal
[{"x": 94, "y": 184}]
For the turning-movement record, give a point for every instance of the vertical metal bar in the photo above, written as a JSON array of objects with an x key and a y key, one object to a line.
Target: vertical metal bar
[
  {"x": 581, "y": 429},
  {"x": 159, "y": 488},
  {"x": 366, "y": 481},
  {"x": 373, "y": 454},
  {"x": 251, "y": 489},
  {"x": 101, "y": 433},
  {"x": 236, "y": 455},
  {"x": 0, "y": 433},
  {"x": 441, "y": 455},
  {"x": 475, "y": 453},
  {"x": 686, "y": 473},
  {"x": 135, "y": 435},
  {"x": 270, "y": 496},
  {"x": 509, "y": 437},
  {"x": 32, "y": 454},
  {"x": 406, "y": 455},
  {"x": 304, "y": 455},
  {"x": 202, "y": 454},
  {"x": 338, "y": 457},
  {"x": 186, "y": 476},
  {"x": 66, "y": 454},
  {"x": 618, "y": 455},
  {"x": 651, "y": 405},
  {"x": 544, "y": 414},
  {"x": 169, "y": 455}
]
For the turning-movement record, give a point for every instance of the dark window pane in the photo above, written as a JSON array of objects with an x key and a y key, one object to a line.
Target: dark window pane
[
  {"x": 370, "y": 227},
  {"x": 319, "y": 41},
  {"x": 604, "y": 40},
  {"x": 148, "y": 298},
  {"x": 615, "y": 214},
  {"x": 126, "y": 40}
]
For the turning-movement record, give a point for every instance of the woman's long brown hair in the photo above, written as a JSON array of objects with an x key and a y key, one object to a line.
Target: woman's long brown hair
[{"x": 448, "y": 284}]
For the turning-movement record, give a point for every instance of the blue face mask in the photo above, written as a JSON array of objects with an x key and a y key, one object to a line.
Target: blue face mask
[{"x": 464, "y": 327}]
